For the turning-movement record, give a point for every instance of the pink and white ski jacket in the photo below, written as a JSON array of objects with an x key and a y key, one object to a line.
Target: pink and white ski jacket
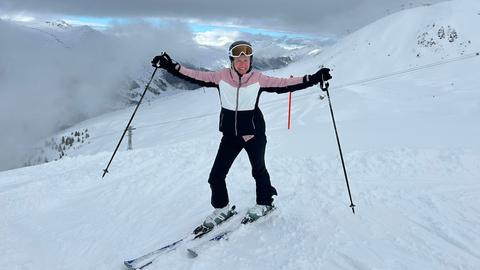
[{"x": 239, "y": 95}]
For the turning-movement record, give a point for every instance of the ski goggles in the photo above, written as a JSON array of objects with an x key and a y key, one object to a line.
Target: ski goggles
[{"x": 241, "y": 49}]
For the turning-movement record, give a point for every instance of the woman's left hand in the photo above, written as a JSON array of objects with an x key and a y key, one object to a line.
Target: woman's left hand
[{"x": 320, "y": 76}]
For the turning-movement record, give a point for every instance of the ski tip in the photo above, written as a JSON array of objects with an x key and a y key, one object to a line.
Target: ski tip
[
  {"x": 191, "y": 253},
  {"x": 353, "y": 208},
  {"x": 129, "y": 265},
  {"x": 105, "y": 171}
]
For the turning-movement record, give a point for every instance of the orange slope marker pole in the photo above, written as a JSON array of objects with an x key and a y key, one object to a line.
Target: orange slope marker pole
[{"x": 289, "y": 107}]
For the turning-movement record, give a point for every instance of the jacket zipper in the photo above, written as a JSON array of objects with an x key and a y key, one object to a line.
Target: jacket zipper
[{"x": 236, "y": 105}]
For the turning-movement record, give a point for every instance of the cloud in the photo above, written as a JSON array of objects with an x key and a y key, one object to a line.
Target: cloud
[
  {"x": 50, "y": 80},
  {"x": 216, "y": 37},
  {"x": 301, "y": 16}
]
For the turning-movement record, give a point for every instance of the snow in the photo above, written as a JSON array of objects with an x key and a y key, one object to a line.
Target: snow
[{"x": 410, "y": 144}]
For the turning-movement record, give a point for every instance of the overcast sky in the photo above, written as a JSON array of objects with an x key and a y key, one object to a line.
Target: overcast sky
[{"x": 325, "y": 17}]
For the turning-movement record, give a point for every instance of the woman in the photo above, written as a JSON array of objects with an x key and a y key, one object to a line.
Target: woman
[{"x": 241, "y": 123}]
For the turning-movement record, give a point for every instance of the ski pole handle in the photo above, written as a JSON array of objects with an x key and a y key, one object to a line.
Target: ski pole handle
[
  {"x": 324, "y": 85},
  {"x": 157, "y": 64}
]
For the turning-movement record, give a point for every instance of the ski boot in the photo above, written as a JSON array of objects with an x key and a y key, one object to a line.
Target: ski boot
[
  {"x": 218, "y": 216},
  {"x": 257, "y": 212}
]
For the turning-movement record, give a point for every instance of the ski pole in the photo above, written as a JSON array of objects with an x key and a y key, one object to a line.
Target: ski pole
[
  {"x": 325, "y": 88},
  {"x": 105, "y": 171}
]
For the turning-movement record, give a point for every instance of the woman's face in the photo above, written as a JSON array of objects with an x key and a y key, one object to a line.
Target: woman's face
[{"x": 241, "y": 64}]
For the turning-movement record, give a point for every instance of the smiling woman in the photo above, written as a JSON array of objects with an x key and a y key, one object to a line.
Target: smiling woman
[
  {"x": 242, "y": 64},
  {"x": 241, "y": 123}
]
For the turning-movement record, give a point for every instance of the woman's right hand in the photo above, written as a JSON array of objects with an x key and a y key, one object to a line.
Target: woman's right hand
[{"x": 163, "y": 61}]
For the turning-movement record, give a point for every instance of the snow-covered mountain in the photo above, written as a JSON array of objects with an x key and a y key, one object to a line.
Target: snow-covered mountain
[
  {"x": 57, "y": 33},
  {"x": 405, "y": 40},
  {"x": 410, "y": 142},
  {"x": 59, "y": 23}
]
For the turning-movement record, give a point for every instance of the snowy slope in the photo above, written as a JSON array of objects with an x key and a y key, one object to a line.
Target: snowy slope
[{"x": 411, "y": 148}]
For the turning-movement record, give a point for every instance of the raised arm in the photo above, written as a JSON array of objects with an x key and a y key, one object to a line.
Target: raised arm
[
  {"x": 284, "y": 85},
  {"x": 201, "y": 78}
]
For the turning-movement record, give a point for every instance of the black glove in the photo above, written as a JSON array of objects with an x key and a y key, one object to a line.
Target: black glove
[
  {"x": 320, "y": 76},
  {"x": 164, "y": 61}
]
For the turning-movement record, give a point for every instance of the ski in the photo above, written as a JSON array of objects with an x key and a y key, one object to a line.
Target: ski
[
  {"x": 147, "y": 259},
  {"x": 199, "y": 232},
  {"x": 193, "y": 252}
]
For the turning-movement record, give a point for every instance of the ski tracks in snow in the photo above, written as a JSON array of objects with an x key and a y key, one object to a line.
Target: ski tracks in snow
[{"x": 416, "y": 209}]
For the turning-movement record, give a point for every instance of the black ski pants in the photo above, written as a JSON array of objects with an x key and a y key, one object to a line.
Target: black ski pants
[{"x": 230, "y": 147}]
